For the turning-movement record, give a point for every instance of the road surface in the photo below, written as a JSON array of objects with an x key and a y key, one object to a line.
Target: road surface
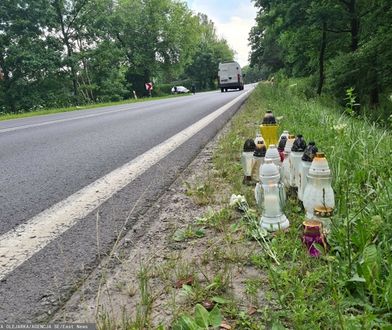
[{"x": 72, "y": 183}]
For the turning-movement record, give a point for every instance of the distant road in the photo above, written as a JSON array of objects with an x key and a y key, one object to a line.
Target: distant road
[{"x": 68, "y": 178}]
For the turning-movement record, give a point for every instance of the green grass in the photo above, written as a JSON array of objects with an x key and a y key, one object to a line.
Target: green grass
[
  {"x": 350, "y": 287},
  {"x": 8, "y": 116}
]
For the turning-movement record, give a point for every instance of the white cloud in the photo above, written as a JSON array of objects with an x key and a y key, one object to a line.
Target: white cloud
[{"x": 233, "y": 22}]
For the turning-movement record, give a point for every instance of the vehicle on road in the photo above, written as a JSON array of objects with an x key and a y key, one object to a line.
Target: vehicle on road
[
  {"x": 179, "y": 90},
  {"x": 230, "y": 76}
]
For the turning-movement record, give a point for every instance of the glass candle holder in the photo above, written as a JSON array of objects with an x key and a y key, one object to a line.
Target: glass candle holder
[
  {"x": 312, "y": 235},
  {"x": 318, "y": 190},
  {"x": 269, "y": 129},
  {"x": 296, "y": 154},
  {"x": 281, "y": 146},
  {"x": 285, "y": 172},
  {"x": 272, "y": 155},
  {"x": 259, "y": 140},
  {"x": 247, "y": 160},
  {"x": 306, "y": 161},
  {"x": 270, "y": 197},
  {"x": 258, "y": 161}
]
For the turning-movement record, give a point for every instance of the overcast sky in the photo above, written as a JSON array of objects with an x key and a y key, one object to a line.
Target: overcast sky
[{"x": 233, "y": 20}]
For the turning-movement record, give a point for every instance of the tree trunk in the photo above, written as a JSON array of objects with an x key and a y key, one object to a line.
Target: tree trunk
[
  {"x": 65, "y": 39},
  {"x": 321, "y": 58},
  {"x": 374, "y": 96},
  {"x": 354, "y": 25},
  {"x": 7, "y": 84}
]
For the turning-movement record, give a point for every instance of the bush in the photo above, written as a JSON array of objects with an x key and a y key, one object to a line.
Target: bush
[{"x": 162, "y": 89}]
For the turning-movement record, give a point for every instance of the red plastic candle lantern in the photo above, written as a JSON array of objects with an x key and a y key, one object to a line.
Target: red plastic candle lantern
[{"x": 313, "y": 234}]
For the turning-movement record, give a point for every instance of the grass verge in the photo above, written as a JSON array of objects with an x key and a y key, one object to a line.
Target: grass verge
[
  {"x": 218, "y": 271},
  {"x": 8, "y": 116},
  {"x": 351, "y": 286}
]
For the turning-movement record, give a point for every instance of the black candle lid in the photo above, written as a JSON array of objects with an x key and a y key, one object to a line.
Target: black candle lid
[
  {"x": 310, "y": 152},
  {"x": 269, "y": 118},
  {"x": 282, "y": 143},
  {"x": 249, "y": 145},
  {"x": 299, "y": 144}
]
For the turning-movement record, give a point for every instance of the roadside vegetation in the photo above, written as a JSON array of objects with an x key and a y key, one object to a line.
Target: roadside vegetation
[
  {"x": 350, "y": 286},
  {"x": 221, "y": 271},
  {"x": 337, "y": 44}
]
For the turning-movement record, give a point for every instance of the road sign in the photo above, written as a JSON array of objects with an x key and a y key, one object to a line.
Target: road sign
[{"x": 148, "y": 86}]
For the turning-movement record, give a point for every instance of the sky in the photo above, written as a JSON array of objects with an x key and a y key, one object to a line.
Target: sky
[{"x": 233, "y": 20}]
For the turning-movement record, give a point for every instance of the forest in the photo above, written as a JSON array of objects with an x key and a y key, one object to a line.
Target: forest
[
  {"x": 59, "y": 53},
  {"x": 342, "y": 47}
]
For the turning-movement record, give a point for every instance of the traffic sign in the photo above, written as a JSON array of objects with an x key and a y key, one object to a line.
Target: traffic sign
[{"x": 148, "y": 86}]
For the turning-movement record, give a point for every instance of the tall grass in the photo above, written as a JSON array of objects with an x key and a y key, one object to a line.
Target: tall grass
[{"x": 350, "y": 287}]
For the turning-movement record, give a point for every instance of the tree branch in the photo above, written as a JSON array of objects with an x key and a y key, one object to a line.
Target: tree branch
[
  {"x": 365, "y": 13},
  {"x": 76, "y": 14},
  {"x": 347, "y": 3},
  {"x": 337, "y": 31},
  {"x": 124, "y": 46}
]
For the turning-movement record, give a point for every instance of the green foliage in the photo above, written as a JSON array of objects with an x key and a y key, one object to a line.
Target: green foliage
[
  {"x": 216, "y": 220},
  {"x": 210, "y": 50},
  {"x": 61, "y": 53},
  {"x": 190, "y": 232},
  {"x": 253, "y": 74},
  {"x": 163, "y": 89},
  {"x": 202, "y": 319},
  {"x": 202, "y": 193},
  {"x": 350, "y": 287},
  {"x": 344, "y": 43},
  {"x": 351, "y": 101}
]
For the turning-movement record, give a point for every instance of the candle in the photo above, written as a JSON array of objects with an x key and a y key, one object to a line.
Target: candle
[{"x": 272, "y": 205}]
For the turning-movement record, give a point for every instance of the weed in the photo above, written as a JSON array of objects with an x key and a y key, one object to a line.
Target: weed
[
  {"x": 202, "y": 193},
  {"x": 216, "y": 219},
  {"x": 245, "y": 321},
  {"x": 252, "y": 286},
  {"x": 104, "y": 321},
  {"x": 189, "y": 232},
  {"x": 202, "y": 319}
]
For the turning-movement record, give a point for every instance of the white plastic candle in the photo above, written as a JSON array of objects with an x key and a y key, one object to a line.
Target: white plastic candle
[
  {"x": 272, "y": 218},
  {"x": 318, "y": 191},
  {"x": 297, "y": 151},
  {"x": 272, "y": 205},
  {"x": 304, "y": 167},
  {"x": 285, "y": 172}
]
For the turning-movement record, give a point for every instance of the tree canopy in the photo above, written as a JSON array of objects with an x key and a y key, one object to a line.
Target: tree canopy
[
  {"x": 57, "y": 53},
  {"x": 341, "y": 43}
]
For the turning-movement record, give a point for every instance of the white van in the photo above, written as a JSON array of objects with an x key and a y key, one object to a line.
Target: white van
[{"x": 230, "y": 76}]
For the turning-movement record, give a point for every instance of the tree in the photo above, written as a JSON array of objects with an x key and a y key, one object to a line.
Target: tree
[
  {"x": 210, "y": 51},
  {"x": 157, "y": 37},
  {"x": 28, "y": 57},
  {"x": 68, "y": 52},
  {"x": 344, "y": 42}
]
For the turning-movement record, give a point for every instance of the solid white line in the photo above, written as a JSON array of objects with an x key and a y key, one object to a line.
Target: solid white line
[
  {"x": 19, "y": 244},
  {"x": 50, "y": 122},
  {"x": 124, "y": 107}
]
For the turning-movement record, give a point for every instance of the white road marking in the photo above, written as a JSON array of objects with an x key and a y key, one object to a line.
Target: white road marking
[
  {"x": 22, "y": 242},
  {"x": 50, "y": 122},
  {"x": 57, "y": 121}
]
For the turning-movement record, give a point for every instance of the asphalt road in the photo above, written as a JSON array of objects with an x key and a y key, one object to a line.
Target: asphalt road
[{"x": 46, "y": 159}]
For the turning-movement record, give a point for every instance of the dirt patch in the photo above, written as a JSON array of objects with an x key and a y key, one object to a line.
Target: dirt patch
[{"x": 174, "y": 258}]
